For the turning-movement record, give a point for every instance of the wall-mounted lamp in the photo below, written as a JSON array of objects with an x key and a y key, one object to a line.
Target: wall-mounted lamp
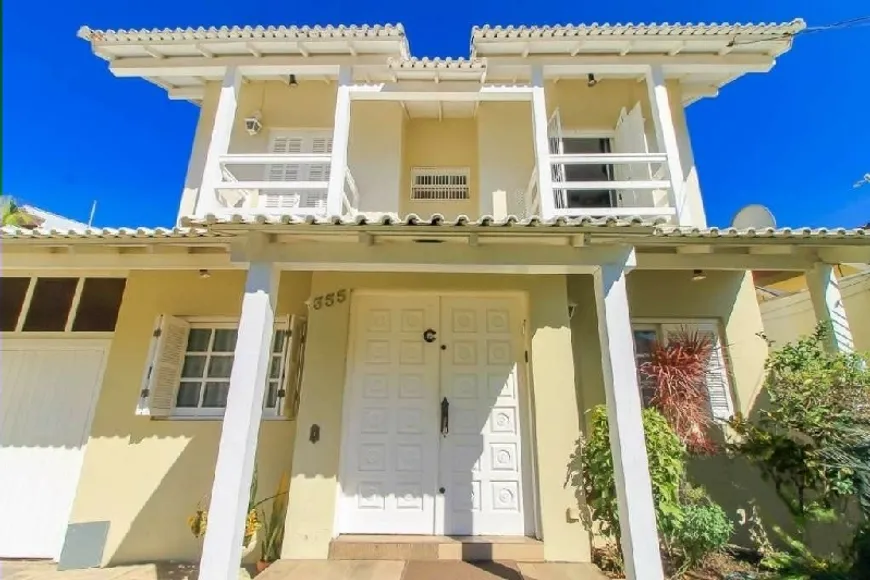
[
  {"x": 572, "y": 310},
  {"x": 591, "y": 81},
  {"x": 204, "y": 273},
  {"x": 254, "y": 124},
  {"x": 698, "y": 275},
  {"x": 291, "y": 80}
]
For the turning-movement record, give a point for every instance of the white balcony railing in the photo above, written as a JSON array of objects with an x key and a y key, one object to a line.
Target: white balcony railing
[
  {"x": 639, "y": 187},
  {"x": 296, "y": 184}
]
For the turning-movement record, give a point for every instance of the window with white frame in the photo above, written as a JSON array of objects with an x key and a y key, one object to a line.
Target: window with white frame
[
  {"x": 648, "y": 333},
  {"x": 188, "y": 375}
]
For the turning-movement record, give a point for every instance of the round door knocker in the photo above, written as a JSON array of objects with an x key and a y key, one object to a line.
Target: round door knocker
[{"x": 429, "y": 335}]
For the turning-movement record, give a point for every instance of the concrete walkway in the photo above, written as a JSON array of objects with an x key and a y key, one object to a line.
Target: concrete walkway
[
  {"x": 426, "y": 570},
  {"x": 38, "y": 570},
  {"x": 319, "y": 570}
]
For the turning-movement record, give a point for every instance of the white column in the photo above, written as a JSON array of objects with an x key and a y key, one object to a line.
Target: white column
[
  {"x": 222, "y": 550},
  {"x": 219, "y": 144},
  {"x": 340, "y": 139},
  {"x": 542, "y": 143},
  {"x": 828, "y": 306},
  {"x": 666, "y": 137},
  {"x": 640, "y": 543}
]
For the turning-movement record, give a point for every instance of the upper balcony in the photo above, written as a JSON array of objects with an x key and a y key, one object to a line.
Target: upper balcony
[
  {"x": 455, "y": 148},
  {"x": 542, "y": 121}
]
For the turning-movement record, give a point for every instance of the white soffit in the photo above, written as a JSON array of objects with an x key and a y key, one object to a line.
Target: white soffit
[
  {"x": 623, "y": 39},
  {"x": 703, "y": 57},
  {"x": 386, "y": 39}
]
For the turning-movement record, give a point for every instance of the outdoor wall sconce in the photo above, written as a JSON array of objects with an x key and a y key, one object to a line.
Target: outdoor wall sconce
[
  {"x": 572, "y": 310},
  {"x": 591, "y": 81},
  {"x": 698, "y": 275},
  {"x": 314, "y": 433},
  {"x": 253, "y": 124},
  {"x": 204, "y": 273},
  {"x": 292, "y": 81}
]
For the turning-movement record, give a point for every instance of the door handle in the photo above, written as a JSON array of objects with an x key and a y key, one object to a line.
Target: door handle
[{"x": 445, "y": 416}]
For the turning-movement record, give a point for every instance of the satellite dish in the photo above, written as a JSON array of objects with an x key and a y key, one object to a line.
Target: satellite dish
[{"x": 753, "y": 216}]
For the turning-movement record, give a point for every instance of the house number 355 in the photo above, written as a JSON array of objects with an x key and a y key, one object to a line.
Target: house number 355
[{"x": 328, "y": 300}]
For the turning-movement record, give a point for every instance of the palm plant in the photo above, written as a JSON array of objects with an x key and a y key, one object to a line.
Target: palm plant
[{"x": 678, "y": 369}]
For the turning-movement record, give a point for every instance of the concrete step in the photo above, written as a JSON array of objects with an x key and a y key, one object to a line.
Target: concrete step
[{"x": 454, "y": 548}]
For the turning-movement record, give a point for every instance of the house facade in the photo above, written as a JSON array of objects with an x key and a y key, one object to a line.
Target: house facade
[{"x": 401, "y": 281}]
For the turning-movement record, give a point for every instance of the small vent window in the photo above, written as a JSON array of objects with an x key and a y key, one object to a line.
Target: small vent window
[{"x": 439, "y": 184}]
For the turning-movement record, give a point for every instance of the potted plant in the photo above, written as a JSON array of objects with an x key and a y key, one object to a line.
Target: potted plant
[
  {"x": 198, "y": 522},
  {"x": 272, "y": 536}
]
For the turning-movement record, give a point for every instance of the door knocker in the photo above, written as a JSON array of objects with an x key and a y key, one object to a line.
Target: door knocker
[{"x": 429, "y": 335}]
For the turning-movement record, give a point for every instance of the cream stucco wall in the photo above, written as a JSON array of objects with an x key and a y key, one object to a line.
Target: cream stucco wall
[
  {"x": 146, "y": 476},
  {"x": 314, "y": 484},
  {"x": 444, "y": 143},
  {"x": 791, "y": 317},
  {"x": 505, "y": 152}
]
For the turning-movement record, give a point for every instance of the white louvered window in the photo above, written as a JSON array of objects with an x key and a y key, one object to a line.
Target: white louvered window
[
  {"x": 439, "y": 183},
  {"x": 298, "y": 142},
  {"x": 188, "y": 375},
  {"x": 718, "y": 384}
]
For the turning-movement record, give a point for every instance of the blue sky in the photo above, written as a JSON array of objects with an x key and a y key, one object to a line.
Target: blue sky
[{"x": 795, "y": 139}]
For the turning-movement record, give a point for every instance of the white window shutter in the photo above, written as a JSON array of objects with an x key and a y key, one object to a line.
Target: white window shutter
[
  {"x": 718, "y": 384},
  {"x": 283, "y": 145},
  {"x": 319, "y": 145},
  {"x": 293, "y": 363},
  {"x": 630, "y": 137},
  {"x": 557, "y": 147},
  {"x": 164, "y": 367}
]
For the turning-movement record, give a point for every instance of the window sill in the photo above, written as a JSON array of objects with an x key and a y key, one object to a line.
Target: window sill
[{"x": 212, "y": 418}]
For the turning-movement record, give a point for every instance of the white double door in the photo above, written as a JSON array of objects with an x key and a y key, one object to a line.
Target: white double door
[{"x": 432, "y": 441}]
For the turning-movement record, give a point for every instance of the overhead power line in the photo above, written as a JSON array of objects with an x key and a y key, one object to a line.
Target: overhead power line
[{"x": 859, "y": 22}]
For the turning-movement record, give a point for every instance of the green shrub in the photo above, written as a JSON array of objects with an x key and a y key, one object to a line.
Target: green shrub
[
  {"x": 813, "y": 439},
  {"x": 592, "y": 472},
  {"x": 705, "y": 529}
]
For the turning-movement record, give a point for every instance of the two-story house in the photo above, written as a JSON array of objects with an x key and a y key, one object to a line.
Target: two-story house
[{"x": 402, "y": 281}]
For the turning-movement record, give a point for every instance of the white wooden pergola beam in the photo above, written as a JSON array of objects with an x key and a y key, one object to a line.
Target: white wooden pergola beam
[
  {"x": 699, "y": 92},
  {"x": 186, "y": 93},
  {"x": 713, "y": 261},
  {"x": 445, "y": 91},
  {"x": 410, "y": 257}
]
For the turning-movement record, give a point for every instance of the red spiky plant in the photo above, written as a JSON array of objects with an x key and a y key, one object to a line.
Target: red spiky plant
[{"x": 678, "y": 368}]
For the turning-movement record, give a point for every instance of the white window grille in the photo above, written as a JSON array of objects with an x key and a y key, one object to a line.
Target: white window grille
[{"x": 439, "y": 183}]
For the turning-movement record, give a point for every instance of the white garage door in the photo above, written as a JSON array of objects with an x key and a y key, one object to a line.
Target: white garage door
[{"x": 48, "y": 389}]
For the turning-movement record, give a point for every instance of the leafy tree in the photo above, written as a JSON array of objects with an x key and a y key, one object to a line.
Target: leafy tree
[
  {"x": 813, "y": 439},
  {"x": 813, "y": 442}
]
